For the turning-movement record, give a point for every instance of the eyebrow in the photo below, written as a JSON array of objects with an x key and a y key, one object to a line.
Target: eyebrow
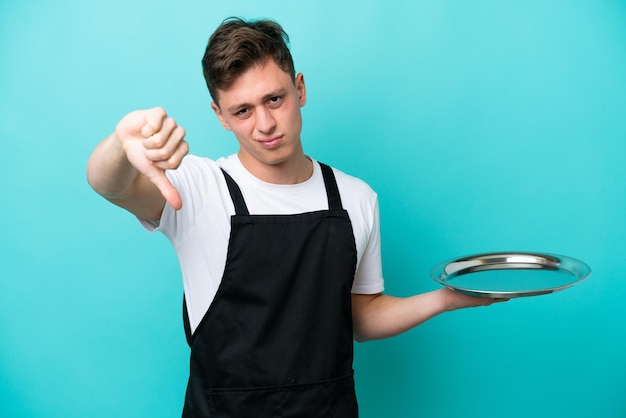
[{"x": 278, "y": 92}]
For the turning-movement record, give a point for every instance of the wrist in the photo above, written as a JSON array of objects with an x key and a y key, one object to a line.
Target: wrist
[{"x": 448, "y": 299}]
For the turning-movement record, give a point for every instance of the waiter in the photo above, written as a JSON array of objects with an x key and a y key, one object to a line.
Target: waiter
[{"x": 280, "y": 254}]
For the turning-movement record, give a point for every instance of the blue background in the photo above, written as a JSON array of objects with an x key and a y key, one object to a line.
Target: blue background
[{"x": 483, "y": 126}]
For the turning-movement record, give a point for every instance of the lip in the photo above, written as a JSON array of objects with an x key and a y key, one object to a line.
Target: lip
[{"x": 270, "y": 143}]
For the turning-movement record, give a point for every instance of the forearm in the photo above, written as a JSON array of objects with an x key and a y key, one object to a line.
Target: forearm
[
  {"x": 382, "y": 316},
  {"x": 109, "y": 172}
]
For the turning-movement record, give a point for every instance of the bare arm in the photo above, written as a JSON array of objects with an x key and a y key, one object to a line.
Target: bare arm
[
  {"x": 381, "y": 316},
  {"x": 128, "y": 167}
]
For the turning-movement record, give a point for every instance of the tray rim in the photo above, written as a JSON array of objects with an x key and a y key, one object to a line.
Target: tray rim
[{"x": 556, "y": 261}]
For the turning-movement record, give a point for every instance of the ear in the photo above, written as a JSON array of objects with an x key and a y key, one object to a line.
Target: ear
[
  {"x": 220, "y": 116},
  {"x": 299, "y": 82}
]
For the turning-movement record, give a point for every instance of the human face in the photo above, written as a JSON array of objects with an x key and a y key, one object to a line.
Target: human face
[{"x": 262, "y": 109}]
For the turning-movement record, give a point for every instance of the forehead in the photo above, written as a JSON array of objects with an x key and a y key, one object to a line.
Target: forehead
[{"x": 255, "y": 84}]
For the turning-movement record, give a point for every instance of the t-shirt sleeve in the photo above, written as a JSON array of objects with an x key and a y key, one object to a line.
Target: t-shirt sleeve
[{"x": 369, "y": 276}]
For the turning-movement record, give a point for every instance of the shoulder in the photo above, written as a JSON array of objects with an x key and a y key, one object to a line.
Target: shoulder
[
  {"x": 361, "y": 202},
  {"x": 353, "y": 187}
]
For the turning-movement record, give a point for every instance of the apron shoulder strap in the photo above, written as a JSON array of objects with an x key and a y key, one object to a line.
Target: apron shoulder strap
[
  {"x": 332, "y": 191},
  {"x": 235, "y": 193}
]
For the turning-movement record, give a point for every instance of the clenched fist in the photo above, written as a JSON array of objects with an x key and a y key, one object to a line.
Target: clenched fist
[{"x": 153, "y": 143}]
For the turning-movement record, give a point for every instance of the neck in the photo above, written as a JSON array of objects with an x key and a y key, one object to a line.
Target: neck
[{"x": 292, "y": 171}]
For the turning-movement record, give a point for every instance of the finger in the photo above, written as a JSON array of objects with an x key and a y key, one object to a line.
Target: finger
[
  {"x": 168, "y": 191},
  {"x": 491, "y": 301},
  {"x": 153, "y": 119},
  {"x": 163, "y": 145},
  {"x": 175, "y": 159},
  {"x": 168, "y": 131}
]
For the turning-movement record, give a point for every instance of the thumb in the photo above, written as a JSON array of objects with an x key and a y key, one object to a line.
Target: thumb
[{"x": 168, "y": 191}]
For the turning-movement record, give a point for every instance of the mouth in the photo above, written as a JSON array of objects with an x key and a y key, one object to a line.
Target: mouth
[{"x": 270, "y": 143}]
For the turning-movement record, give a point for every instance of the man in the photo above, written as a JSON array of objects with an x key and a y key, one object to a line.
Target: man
[{"x": 280, "y": 254}]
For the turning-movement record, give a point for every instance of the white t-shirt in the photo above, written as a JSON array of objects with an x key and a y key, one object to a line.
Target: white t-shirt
[{"x": 199, "y": 232}]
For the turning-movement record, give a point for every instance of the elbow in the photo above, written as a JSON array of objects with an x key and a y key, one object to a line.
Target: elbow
[
  {"x": 364, "y": 318},
  {"x": 361, "y": 335},
  {"x": 361, "y": 339}
]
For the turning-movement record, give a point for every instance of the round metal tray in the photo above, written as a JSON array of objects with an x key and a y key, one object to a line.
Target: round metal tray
[{"x": 510, "y": 274}]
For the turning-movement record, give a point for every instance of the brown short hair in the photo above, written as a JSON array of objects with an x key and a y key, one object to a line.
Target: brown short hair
[{"x": 237, "y": 45}]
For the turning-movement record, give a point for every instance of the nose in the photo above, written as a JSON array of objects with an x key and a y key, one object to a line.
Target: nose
[{"x": 265, "y": 122}]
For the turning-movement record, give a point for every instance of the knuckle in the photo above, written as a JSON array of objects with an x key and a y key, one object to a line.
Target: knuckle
[
  {"x": 157, "y": 140},
  {"x": 169, "y": 122},
  {"x": 162, "y": 155}
]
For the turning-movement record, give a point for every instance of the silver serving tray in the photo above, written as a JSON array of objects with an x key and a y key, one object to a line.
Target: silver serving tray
[{"x": 510, "y": 274}]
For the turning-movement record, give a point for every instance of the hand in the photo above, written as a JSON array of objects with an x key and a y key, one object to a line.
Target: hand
[
  {"x": 457, "y": 300},
  {"x": 153, "y": 143}
]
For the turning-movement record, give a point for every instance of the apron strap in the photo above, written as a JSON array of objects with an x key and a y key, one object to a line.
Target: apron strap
[
  {"x": 186, "y": 323},
  {"x": 235, "y": 193},
  {"x": 332, "y": 191}
]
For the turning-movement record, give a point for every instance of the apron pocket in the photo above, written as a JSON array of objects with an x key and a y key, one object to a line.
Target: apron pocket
[{"x": 331, "y": 398}]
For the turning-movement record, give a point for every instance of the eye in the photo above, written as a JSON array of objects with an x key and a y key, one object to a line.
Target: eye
[
  {"x": 275, "y": 101},
  {"x": 242, "y": 113}
]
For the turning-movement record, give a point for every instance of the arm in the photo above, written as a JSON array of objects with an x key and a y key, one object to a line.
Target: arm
[
  {"x": 381, "y": 316},
  {"x": 128, "y": 167}
]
